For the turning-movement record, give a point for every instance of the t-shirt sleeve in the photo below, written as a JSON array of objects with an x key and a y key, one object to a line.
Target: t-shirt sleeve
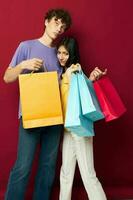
[{"x": 19, "y": 55}]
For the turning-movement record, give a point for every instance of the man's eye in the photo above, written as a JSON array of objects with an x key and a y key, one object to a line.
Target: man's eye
[{"x": 63, "y": 27}]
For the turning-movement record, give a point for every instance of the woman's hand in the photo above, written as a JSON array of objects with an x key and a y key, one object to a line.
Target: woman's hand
[
  {"x": 71, "y": 69},
  {"x": 97, "y": 73}
]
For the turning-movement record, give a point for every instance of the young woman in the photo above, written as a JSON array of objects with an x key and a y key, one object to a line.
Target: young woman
[{"x": 75, "y": 148}]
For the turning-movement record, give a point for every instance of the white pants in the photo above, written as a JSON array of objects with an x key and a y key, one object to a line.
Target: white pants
[{"x": 79, "y": 149}]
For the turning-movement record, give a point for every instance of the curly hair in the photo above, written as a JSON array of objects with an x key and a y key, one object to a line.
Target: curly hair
[{"x": 59, "y": 14}]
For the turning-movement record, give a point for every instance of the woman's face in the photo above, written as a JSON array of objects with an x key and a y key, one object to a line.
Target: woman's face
[{"x": 62, "y": 55}]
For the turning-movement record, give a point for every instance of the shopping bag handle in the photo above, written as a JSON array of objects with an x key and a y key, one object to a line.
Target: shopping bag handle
[
  {"x": 77, "y": 71},
  {"x": 44, "y": 67}
]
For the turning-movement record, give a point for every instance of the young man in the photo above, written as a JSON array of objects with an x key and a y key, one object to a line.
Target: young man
[{"x": 33, "y": 55}]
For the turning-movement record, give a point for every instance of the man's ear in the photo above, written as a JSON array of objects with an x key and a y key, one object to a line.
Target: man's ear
[{"x": 46, "y": 22}]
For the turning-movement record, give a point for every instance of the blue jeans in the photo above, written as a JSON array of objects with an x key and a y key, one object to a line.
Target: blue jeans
[{"x": 49, "y": 138}]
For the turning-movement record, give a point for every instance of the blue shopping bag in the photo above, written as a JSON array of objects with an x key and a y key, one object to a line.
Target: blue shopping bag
[
  {"x": 89, "y": 102},
  {"x": 74, "y": 120}
]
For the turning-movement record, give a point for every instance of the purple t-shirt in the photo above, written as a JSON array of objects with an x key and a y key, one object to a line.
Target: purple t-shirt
[{"x": 35, "y": 49}]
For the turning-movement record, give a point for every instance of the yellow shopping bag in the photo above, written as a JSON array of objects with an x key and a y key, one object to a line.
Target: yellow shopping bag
[{"x": 40, "y": 99}]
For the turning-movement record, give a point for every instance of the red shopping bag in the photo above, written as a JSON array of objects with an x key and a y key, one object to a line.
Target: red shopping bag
[{"x": 109, "y": 99}]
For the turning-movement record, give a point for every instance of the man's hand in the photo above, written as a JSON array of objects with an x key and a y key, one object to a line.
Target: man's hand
[
  {"x": 33, "y": 64},
  {"x": 97, "y": 73}
]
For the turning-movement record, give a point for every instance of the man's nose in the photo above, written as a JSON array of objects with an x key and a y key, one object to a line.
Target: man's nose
[{"x": 59, "y": 28}]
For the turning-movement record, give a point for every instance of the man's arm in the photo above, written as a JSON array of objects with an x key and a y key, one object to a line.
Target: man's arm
[{"x": 12, "y": 73}]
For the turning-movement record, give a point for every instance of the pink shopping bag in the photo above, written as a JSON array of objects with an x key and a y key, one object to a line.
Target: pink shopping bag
[{"x": 109, "y": 99}]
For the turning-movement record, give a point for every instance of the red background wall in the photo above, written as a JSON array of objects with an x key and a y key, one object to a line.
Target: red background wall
[{"x": 104, "y": 30}]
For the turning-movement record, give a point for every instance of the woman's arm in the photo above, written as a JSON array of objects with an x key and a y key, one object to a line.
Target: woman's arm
[{"x": 97, "y": 73}]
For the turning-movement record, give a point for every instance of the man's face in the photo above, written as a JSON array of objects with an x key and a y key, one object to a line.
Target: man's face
[{"x": 54, "y": 28}]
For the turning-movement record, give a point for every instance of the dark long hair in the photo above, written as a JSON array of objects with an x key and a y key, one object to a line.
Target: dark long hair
[{"x": 71, "y": 46}]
